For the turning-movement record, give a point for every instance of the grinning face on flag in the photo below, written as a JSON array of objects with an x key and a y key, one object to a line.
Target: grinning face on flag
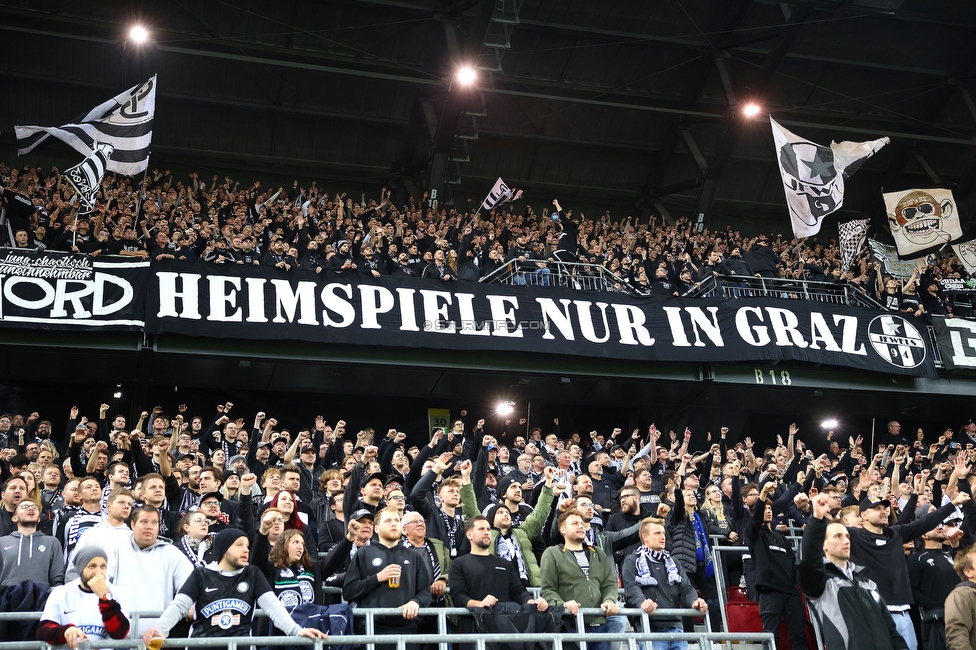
[
  {"x": 920, "y": 217},
  {"x": 812, "y": 174}
]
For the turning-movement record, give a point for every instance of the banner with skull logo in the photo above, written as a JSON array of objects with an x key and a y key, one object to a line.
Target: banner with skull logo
[
  {"x": 813, "y": 175},
  {"x": 922, "y": 221}
]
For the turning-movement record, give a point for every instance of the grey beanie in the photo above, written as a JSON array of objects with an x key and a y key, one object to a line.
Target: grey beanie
[{"x": 86, "y": 554}]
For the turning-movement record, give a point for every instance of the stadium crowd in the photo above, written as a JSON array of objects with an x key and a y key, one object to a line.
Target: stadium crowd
[
  {"x": 305, "y": 228},
  {"x": 224, "y": 514}
]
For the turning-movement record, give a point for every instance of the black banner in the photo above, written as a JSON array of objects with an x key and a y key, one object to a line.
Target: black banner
[
  {"x": 61, "y": 291},
  {"x": 957, "y": 342},
  {"x": 263, "y": 304}
]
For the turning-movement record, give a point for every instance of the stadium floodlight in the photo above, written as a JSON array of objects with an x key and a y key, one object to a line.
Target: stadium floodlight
[
  {"x": 751, "y": 109},
  {"x": 138, "y": 34},
  {"x": 466, "y": 75},
  {"x": 118, "y": 391},
  {"x": 505, "y": 408},
  {"x": 829, "y": 424}
]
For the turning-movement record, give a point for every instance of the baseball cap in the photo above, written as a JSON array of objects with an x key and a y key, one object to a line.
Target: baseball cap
[
  {"x": 215, "y": 495},
  {"x": 375, "y": 475},
  {"x": 873, "y": 502},
  {"x": 362, "y": 513}
]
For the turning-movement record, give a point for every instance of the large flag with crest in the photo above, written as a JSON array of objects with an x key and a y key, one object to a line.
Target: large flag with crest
[
  {"x": 922, "y": 220},
  {"x": 125, "y": 122},
  {"x": 814, "y": 175}
]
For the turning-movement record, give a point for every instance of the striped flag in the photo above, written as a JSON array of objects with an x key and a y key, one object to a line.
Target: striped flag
[
  {"x": 86, "y": 176},
  {"x": 500, "y": 193},
  {"x": 125, "y": 122}
]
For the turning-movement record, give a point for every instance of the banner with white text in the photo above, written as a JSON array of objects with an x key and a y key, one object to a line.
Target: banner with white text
[
  {"x": 68, "y": 291},
  {"x": 261, "y": 303}
]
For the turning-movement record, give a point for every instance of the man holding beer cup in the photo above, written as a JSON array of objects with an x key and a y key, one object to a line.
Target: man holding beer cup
[{"x": 388, "y": 574}]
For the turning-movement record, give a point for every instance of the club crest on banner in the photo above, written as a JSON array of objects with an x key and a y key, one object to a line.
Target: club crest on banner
[
  {"x": 897, "y": 341},
  {"x": 922, "y": 220}
]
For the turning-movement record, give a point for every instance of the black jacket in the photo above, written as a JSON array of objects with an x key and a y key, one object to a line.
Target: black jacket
[{"x": 851, "y": 613}]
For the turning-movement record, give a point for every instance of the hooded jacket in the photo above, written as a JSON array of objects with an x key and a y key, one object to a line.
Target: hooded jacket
[
  {"x": 161, "y": 565},
  {"x": 36, "y": 557}
]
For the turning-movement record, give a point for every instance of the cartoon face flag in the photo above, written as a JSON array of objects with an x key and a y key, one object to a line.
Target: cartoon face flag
[
  {"x": 813, "y": 175},
  {"x": 922, "y": 221}
]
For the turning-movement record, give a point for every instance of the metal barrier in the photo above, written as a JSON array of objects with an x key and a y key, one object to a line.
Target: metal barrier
[
  {"x": 747, "y": 286},
  {"x": 721, "y": 586},
  {"x": 572, "y": 275},
  {"x": 443, "y": 638}
]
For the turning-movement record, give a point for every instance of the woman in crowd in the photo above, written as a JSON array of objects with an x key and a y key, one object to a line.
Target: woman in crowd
[
  {"x": 691, "y": 546},
  {"x": 194, "y": 539}
]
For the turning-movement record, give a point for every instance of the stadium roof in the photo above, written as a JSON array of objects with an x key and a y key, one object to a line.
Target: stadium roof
[{"x": 627, "y": 104}]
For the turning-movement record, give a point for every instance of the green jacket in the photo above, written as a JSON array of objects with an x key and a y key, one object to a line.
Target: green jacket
[
  {"x": 525, "y": 533},
  {"x": 563, "y": 580}
]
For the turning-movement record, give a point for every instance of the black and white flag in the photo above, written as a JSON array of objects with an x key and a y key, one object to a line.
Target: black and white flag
[
  {"x": 813, "y": 175},
  {"x": 500, "y": 193},
  {"x": 86, "y": 176},
  {"x": 125, "y": 122},
  {"x": 886, "y": 257},
  {"x": 922, "y": 220},
  {"x": 852, "y": 236}
]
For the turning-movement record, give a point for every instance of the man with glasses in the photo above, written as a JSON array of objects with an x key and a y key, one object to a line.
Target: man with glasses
[
  {"x": 27, "y": 554},
  {"x": 933, "y": 577},
  {"x": 628, "y": 517},
  {"x": 437, "y": 558}
]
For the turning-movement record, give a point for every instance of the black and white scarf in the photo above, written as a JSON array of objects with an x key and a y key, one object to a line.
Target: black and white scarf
[
  {"x": 508, "y": 548},
  {"x": 644, "y": 576}
]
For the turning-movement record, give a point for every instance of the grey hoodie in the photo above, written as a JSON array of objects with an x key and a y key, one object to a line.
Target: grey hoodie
[{"x": 36, "y": 557}]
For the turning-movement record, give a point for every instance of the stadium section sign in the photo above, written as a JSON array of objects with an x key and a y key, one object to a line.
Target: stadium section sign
[
  {"x": 259, "y": 303},
  {"x": 57, "y": 291}
]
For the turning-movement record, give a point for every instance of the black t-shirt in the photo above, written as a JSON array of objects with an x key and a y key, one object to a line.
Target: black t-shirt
[{"x": 224, "y": 604}]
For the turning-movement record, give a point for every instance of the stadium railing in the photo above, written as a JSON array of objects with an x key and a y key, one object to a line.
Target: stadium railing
[
  {"x": 572, "y": 275},
  {"x": 443, "y": 638}
]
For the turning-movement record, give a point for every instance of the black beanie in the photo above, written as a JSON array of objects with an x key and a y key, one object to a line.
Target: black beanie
[{"x": 224, "y": 540}]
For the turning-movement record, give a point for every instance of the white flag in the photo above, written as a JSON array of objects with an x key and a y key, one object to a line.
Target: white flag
[
  {"x": 86, "y": 177},
  {"x": 922, "y": 221},
  {"x": 500, "y": 193},
  {"x": 966, "y": 252},
  {"x": 125, "y": 122},
  {"x": 813, "y": 175}
]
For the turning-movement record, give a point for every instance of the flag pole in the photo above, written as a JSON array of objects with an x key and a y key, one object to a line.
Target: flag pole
[{"x": 140, "y": 197}]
